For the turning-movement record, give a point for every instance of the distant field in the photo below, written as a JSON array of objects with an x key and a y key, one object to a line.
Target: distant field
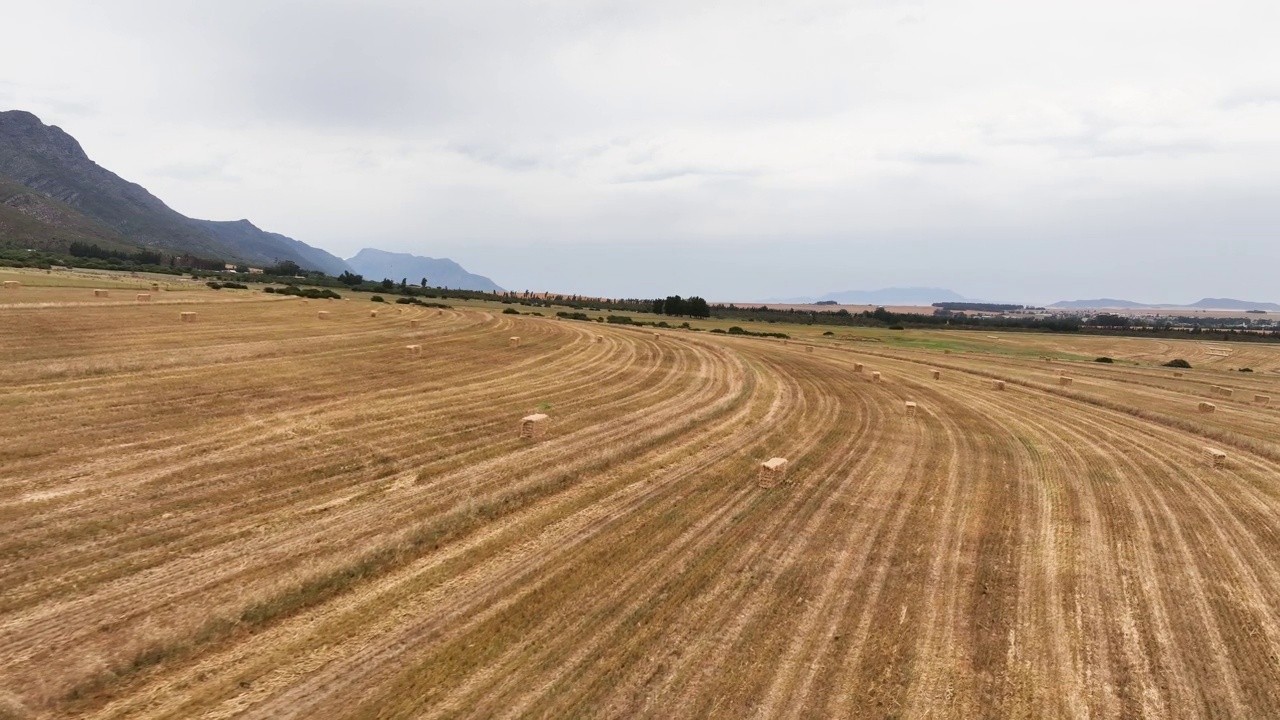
[{"x": 263, "y": 513}]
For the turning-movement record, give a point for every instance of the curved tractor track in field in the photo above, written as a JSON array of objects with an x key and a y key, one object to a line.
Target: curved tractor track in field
[{"x": 264, "y": 514}]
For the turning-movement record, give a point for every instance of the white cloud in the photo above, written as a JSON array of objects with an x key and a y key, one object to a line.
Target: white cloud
[{"x": 809, "y": 146}]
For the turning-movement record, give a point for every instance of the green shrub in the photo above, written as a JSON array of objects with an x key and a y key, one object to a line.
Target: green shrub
[
  {"x": 896, "y": 327},
  {"x": 828, "y": 334},
  {"x": 1246, "y": 369},
  {"x": 1178, "y": 363},
  {"x": 377, "y": 298},
  {"x": 510, "y": 311},
  {"x": 1103, "y": 359}
]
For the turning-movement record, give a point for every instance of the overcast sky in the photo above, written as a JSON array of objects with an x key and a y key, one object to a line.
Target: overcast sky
[{"x": 1022, "y": 151}]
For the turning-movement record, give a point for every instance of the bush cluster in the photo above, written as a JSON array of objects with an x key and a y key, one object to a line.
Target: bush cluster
[{"x": 310, "y": 293}]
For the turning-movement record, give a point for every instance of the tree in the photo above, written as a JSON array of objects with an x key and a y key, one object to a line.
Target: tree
[
  {"x": 697, "y": 307},
  {"x": 424, "y": 282},
  {"x": 350, "y": 278},
  {"x": 404, "y": 284},
  {"x": 657, "y": 307},
  {"x": 284, "y": 268},
  {"x": 387, "y": 285}
]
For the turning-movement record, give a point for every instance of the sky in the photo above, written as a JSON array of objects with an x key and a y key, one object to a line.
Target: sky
[{"x": 1009, "y": 151}]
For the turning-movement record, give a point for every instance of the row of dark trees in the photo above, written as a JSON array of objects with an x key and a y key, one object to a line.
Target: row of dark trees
[
  {"x": 677, "y": 306},
  {"x": 150, "y": 259}
]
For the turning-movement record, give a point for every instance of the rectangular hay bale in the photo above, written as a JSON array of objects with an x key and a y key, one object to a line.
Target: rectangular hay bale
[
  {"x": 772, "y": 471},
  {"x": 1216, "y": 457},
  {"x": 533, "y": 426}
]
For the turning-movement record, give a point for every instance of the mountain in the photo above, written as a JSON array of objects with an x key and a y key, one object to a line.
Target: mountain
[
  {"x": 893, "y": 296},
  {"x": 1231, "y": 304},
  {"x": 247, "y": 238},
  {"x": 30, "y": 220},
  {"x": 63, "y": 196},
  {"x": 379, "y": 264},
  {"x": 1205, "y": 304},
  {"x": 1100, "y": 303}
]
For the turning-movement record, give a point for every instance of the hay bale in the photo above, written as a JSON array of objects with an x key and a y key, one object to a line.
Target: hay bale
[
  {"x": 857, "y": 367},
  {"x": 533, "y": 426},
  {"x": 373, "y": 313},
  {"x": 1216, "y": 390},
  {"x": 12, "y": 285},
  {"x": 1207, "y": 407},
  {"x": 1226, "y": 392},
  {"x": 414, "y": 323},
  {"x": 911, "y": 409},
  {"x": 144, "y": 297},
  {"x": 1177, "y": 374},
  {"x": 513, "y": 341},
  {"x": 875, "y": 376},
  {"x": 414, "y": 350},
  {"x": 102, "y": 293},
  {"x": 1262, "y": 399},
  {"x": 997, "y": 384},
  {"x": 946, "y": 352},
  {"x": 187, "y": 316},
  {"x": 772, "y": 471},
  {"x": 599, "y": 338},
  {"x": 1216, "y": 457},
  {"x": 1064, "y": 380},
  {"x": 936, "y": 374},
  {"x": 808, "y": 348},
  {"x": 323, "y": 314},
  {"x": 656, "y": 336}
]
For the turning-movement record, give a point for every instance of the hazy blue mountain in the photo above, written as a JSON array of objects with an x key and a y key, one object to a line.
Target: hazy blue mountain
[
  {"x": 269, "y": 247},
  {"x": 1205, "y": 304},
  {"x": 1100, "y": 303},
  {"x": 1232, "y": 304},
  {"x": 376, "y": 264}
]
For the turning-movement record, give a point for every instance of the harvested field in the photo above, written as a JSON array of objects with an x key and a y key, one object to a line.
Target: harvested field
[{"x": 261, "y": 515}]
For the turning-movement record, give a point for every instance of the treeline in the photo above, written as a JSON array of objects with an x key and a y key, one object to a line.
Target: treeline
[
  {"x": 981, "y": 307},
  {"x": 682, "y": 307},
  {"x": 881, "y": 317},
  {"x": 95, "y": 257}
]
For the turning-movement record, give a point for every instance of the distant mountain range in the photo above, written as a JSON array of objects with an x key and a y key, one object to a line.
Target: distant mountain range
[
  {"x": 884, "y": 296},
  {"x": 1204, "y": 304},
  {"x": 440, "y": 272},
  {"x": 52, "y": 194}
]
